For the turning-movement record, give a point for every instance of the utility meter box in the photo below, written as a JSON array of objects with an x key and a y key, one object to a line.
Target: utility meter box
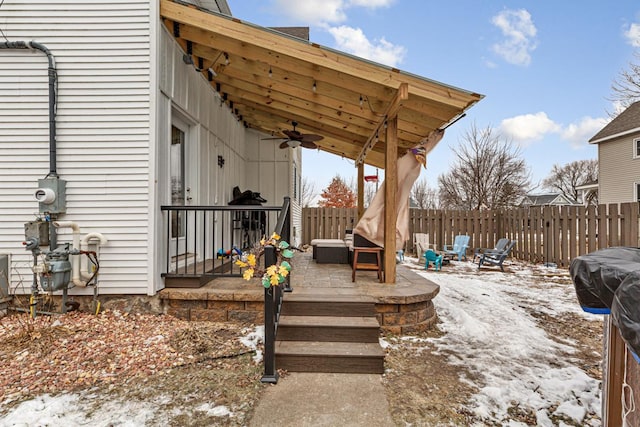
[
  {"x": 39, "y": 230},
  {"x": 52, "y": 195}
]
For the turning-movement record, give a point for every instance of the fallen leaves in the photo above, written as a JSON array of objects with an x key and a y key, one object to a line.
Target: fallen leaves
[{"x": 79, "y": 350}]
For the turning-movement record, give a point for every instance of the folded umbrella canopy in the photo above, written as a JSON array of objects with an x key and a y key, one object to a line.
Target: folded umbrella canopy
[{"x": 371, "y": 225}]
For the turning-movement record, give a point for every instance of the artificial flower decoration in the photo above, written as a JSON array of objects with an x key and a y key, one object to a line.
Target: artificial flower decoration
[{"x": 273, "y": 275}]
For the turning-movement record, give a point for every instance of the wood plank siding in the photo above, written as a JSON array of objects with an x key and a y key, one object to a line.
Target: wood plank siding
[{"x": 102, "y": 52}]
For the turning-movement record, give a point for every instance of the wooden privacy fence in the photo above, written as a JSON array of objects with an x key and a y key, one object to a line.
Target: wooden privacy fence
[{"x": 554, "y": 234}]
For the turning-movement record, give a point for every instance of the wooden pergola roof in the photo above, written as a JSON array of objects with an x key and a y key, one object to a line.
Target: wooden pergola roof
[{"x": 270, "y": 79}]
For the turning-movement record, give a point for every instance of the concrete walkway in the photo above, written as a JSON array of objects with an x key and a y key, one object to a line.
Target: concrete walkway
[{"x": 324, "y": 399}]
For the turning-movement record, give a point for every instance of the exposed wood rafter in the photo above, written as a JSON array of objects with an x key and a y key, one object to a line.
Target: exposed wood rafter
[{"x": 390, "y": 113}]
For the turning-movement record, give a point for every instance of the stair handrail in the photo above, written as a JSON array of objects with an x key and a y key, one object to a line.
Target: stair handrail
[{"x": 273, "y": 297}]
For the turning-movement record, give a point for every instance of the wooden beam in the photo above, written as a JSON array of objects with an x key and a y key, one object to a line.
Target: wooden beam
[
  {"x": 390, "y": 191},
  {"x": 391, "y": 112}
]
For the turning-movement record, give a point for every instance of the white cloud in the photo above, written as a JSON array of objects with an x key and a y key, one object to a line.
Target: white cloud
[
  {"x": 633, "y": 35},
  {"x": 520, "y": 36},
  {"x": 353, "y": 40},
  {"x": 371, "y": 4},
  {"x": 325, "y": 12},
  {"x": 527, "y": 128},
  {"x": 314, "y": 12},
  {"x": 578, "y": 134}
]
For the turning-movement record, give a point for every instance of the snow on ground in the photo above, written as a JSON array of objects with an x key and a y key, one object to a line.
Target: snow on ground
[{"x": 490, "y": 332}]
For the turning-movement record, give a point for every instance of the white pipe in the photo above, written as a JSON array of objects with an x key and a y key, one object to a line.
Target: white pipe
[
  {"x": 77, "y": 275},
  {"x": 84, "y": 243},
  {"x": 75, "y": 261}
]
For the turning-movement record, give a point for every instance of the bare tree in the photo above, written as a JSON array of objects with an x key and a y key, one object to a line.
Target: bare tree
[
  {"x": 565, "y": 179},
  {"x": 424, "y": 196},
  {"x": 488, "y": 173},
  {"x": 626, "y": 87},
  {"x": 308, "y": 192},
  {"x": 369, "y": 190}
]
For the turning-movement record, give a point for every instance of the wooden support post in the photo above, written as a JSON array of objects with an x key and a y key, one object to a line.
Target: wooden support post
[
  {"x": 360, "y": 190},
  {"x": 613, "y": 377},
  {"x": 390, "y": 190}
]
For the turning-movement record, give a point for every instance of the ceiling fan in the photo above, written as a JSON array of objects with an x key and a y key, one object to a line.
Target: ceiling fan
[{"x": 295, "y": 139}]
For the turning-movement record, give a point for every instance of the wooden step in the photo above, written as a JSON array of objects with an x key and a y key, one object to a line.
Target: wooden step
[
  {"x": 344, "y": 357},
  {"x": 329, "y": 305},
  {"x": 328, "y": 328}
]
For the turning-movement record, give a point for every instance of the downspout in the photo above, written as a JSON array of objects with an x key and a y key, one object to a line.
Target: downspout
[{"x": 53, "y": 82}]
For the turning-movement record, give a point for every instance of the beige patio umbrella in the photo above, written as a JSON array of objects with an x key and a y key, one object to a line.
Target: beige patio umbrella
[{"x": 371, "y": 225}]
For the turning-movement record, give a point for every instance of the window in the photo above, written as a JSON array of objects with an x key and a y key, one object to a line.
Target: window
[
  {"x": 636, "y": 148},
  {"x": 637, "y": 195}
]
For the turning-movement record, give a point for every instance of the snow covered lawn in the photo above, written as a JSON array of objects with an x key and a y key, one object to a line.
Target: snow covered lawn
[{"x": 518, "y": 342}]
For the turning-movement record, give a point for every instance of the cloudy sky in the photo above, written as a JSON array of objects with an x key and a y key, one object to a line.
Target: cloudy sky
[{"x": 546, "y": 68}]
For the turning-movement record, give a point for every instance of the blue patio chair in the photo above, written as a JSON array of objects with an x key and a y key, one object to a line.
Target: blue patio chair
[
  {"x": 432, "y": 257},
  {"x": 460, "y": 245}
]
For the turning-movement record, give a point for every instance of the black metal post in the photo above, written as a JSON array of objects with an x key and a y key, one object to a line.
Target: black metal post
[{"x": 270, "y": 373}]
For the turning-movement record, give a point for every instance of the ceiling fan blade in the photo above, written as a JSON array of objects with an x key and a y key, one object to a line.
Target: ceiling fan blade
[
  {"x": 309, "y": 144},
  {"x": 292, "y": 134},
  {"x": 309, "y": 137},
  {"x": 273, "y": 138},
  {"x": 284, "y": 144}
]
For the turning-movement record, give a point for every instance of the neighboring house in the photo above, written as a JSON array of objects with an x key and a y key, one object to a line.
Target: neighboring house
[
  {"x": 588, "y": 193},
  {"x": 547, "y": 200},
  {"x": 159, "y": 103},
  {"x": 619, "y": 158}
]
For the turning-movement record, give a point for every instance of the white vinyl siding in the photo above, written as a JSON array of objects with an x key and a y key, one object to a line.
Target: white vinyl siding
[
  {"x": 102, "y": 52},
  {"x": 213, "y": 131},
  {"x": 617, "y": 171},
  {"x": 269, "y": 168}
]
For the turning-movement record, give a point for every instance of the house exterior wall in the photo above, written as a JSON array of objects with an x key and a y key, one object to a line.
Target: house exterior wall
[
  {"x": 102, "y": 53},
  {"x": 618, "y": 170},
  {"x": 213, "y": 131},
  {"x": 122, "y": 81},
  {"x": 270, "y": 172}
]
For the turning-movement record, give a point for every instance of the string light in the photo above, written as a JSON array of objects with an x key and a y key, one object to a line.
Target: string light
[
  {"x": 270, "y": 72},
  {"x": 361, "y": 100},
  {"x": 226, "y": 59},
  {"x": 314, "y": 88}
]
